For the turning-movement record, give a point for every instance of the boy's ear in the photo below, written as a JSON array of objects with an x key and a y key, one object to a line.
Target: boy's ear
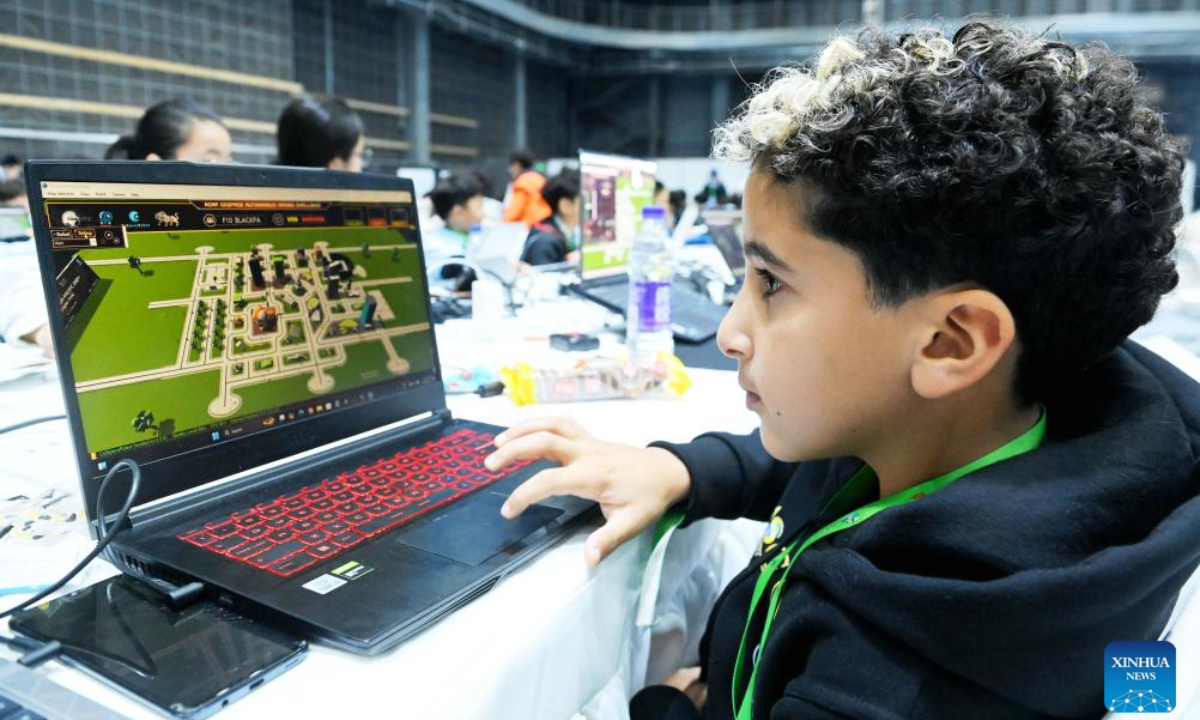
[{"x": 967, "y": 334}]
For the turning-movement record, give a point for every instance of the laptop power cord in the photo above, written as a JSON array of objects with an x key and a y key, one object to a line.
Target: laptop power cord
[
  {"x": 27, "y": 423},
  {"x": 486, "y": 390},
  {"x": 36, "y": 652}
]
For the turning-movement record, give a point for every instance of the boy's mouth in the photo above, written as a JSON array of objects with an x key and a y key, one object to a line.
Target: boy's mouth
[{"x": 752, "y": 398}]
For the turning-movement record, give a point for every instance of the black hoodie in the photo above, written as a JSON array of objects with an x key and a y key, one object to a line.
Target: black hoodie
[{"x": 991, "y": 598}]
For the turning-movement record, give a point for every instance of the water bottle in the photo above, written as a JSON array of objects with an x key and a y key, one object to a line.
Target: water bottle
[
  {"x": 648, "y": 319},
  {"x": 474, "y": 238}
]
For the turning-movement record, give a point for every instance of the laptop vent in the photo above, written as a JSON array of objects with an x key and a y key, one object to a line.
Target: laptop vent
[{"x": 137, "y": 568}]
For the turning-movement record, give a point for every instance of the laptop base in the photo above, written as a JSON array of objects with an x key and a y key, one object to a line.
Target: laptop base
[{"x": 456, "y": 554}]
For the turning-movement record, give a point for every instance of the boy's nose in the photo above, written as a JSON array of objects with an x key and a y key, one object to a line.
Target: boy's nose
[{"x": 731, "y": 335}]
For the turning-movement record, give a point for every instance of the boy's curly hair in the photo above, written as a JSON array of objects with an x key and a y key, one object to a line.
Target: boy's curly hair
[{"x": 994, "y": 158}]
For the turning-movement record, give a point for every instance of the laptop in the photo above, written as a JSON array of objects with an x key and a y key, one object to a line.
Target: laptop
[
  {"x": 725, "y": 229},
  {"x": 27, "y": 694},
  {"x": 499, "y": 251},
  {"x": 258, "y": 340},
  {"x": 614, "y": 191}
]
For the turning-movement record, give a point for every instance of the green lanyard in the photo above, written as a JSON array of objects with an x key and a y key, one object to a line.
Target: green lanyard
[{"x": 786, "y": 559}]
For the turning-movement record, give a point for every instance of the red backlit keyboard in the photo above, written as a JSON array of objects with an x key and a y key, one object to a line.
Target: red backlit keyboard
[{"x": 320, "y": 521}]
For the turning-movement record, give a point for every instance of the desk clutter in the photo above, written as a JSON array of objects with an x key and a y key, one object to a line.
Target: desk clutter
[
  {"x": 45, "y": 516},
  {"x": 596, "y": 379}
]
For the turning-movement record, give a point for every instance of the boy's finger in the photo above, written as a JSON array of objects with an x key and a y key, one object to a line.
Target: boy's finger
[
  {"x": 558, "y": 424},
  {"x": 607, "y": 538},
  {"x": 547, "y": 483},
  {"x": 528, "y": 447}
]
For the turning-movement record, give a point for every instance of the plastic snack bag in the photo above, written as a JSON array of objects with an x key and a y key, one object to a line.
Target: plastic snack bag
[{"x": 596, "y": 379}]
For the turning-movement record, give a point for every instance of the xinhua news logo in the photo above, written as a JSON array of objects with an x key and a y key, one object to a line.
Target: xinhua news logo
[{"x": 1139, "y": 677}]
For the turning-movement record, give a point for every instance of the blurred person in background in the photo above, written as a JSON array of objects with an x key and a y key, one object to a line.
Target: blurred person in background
[
  {"x": 458, "y": 201},
  {"x": 493, "y": 209},
  {"x": 553, "y": 240},
  {"x": 673, "y": 201},
  {"x": 10, "y": 166},
  {"x": 22, "y": 307},
  {"x": 177, "y": 129},
  {"x": 526, "y": 204},
  {"x": 662, "y": 196},
  {"x": 326, "y": 134},
  {"x": 714, "y": 191},
  {"x": 677, "y": 203}
]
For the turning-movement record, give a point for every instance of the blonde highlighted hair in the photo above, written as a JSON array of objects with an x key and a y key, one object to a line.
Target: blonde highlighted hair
[{"x": 992, "y": 156}]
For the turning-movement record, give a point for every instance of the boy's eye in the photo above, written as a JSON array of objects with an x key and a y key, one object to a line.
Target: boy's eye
[{"x": 770, "y": 283}]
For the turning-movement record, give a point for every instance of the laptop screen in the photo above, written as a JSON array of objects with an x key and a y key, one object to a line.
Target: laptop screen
[
  {"x": 725, "y": 228},
  {"x": 199, "y": 314},
  {"x": 614, "y": 191}
]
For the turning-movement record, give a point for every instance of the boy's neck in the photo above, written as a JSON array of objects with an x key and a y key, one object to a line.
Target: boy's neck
[{"x": 944, "y": 439}]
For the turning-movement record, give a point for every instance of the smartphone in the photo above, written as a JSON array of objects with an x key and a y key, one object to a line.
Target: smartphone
[{"x": 188, "y": 663}]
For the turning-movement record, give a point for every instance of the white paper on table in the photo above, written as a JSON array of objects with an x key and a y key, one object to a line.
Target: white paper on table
[{"x": 18, "y": 360}]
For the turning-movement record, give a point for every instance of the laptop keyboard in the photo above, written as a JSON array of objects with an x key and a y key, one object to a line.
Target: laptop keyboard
[{"x": 322, "y": 520}]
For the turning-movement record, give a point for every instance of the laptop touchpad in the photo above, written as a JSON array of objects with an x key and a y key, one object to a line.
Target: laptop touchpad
[{"x": 475, "y": 531}]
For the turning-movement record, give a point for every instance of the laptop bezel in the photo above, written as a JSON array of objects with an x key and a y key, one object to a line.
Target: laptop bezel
[{"x": 182, "y": 472}]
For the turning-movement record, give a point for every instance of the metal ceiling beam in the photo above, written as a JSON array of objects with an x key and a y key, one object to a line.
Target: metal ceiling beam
[{"x": 1082, "y": 25}]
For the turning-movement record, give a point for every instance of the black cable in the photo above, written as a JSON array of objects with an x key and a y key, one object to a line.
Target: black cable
[
  {"x": 161, "y": 586},
  {"x": 38, "y": 653},
  {"x": 27, "y": 423},
  {"x": 20, "y": 643},
  {"x": 107, "y": 533}
]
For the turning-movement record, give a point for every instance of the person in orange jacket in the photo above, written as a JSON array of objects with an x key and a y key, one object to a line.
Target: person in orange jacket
[{"x": 526, "y": 204}]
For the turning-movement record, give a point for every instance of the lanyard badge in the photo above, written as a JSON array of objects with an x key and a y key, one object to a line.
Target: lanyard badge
[{"x": 774, "y": 573}]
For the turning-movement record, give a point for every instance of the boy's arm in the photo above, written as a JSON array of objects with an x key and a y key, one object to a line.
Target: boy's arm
[
  {"x": 793, "y": 708},
  {"x": 635, "y": 486},
  {"x": 732, "y": 476}
]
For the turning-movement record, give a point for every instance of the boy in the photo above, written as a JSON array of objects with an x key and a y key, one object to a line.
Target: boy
[
  {"x": 973, "y": 482},
  {"x": 551, "y": 239},
  {"x": 458, "y": 201}
]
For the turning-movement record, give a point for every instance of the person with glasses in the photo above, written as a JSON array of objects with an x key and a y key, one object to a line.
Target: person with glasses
[{"x": 326, "y": 134}]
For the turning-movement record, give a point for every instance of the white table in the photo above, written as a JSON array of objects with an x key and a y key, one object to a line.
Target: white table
[{"x": 549, "y": 641}]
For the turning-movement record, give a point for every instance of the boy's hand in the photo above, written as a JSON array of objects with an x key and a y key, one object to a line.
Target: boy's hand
[
  {"x": 687, "y": 681},
  {"x": 633, "y": 485}
]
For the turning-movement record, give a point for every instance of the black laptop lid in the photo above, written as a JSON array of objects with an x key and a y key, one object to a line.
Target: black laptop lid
[
  {"x": 213, "y": 318},
  {"x": 725, "y": 228}
]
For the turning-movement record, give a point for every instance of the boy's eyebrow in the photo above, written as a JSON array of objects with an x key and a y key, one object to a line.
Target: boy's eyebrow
[{"x": 765, "y": 254}]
